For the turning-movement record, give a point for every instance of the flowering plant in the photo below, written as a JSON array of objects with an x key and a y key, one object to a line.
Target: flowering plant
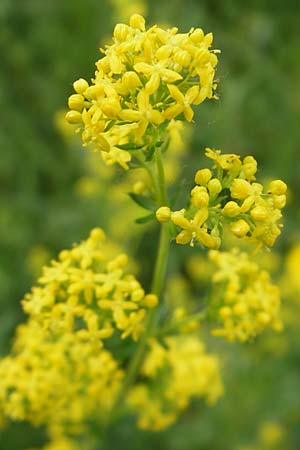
[{"x": 96, "y": 346}]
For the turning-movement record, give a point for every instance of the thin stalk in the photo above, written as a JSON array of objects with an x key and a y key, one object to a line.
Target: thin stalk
[{"x": 156, "y": 286}]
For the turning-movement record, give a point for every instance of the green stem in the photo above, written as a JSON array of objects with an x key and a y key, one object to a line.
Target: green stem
[
  {"x": 156, "y": 287},
  {"x": 162, "y": 200}
]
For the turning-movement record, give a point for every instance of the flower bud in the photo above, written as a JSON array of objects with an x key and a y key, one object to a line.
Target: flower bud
[
  {"x": 97, "y": 234},
  {"x": 73, "y": 117},
  {"x": 259, "y": 213},
  {"x": 249, "y": 167},
  {"x": 240, "y": 228},
  {"x": 200, "y": 196},
  {"x": 231, "y": 209},
  {"x": 203, "y": 176},
  {"x": 279, "y": 201},
  {"x": 137, "y": 21},
  {"x": 150, "y": 300},
  {"x": 137, "y": 295},
  {"x": 277, "y": 187},
  {"x": 75, "y": 102},
  {"x": 197, "y": 35},
  {"x": 182, "y": 57},
  {"x": 111, "y": 108},
  {"x": 121, "y": 31},
  {"x": 240, "y": 188},
  {"x": 80, "y": 85},
  {"x": 131, "y": 80},
  {"x": 214, "y": 186},
  {"x": 163, "y": 214},
  {"x": 94, "y": 91},
  {"x": 139, "y": 187}
]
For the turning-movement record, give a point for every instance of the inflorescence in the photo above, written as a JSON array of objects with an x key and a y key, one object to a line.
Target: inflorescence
[
  {"x": 145, "y": 79},
  {"x": 228, "y": 196}
]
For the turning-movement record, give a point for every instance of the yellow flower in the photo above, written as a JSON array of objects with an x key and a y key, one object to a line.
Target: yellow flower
[
  {"x": 183, "y": 102},
  {"x": 156, "y": 73},
  {"x": 183, "y": 370},
  {"x": 144, "y": 114},
  {"x": 245, "y": 299}
]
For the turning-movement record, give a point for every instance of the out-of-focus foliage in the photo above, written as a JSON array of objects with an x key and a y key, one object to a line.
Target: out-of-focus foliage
[{"x": 53, "y": 192}]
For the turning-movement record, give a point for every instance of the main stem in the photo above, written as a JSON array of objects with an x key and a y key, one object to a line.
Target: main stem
[{"x": 157, "y": 281}]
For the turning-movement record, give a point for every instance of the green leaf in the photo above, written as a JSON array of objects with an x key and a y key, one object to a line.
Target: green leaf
[
  {"x": 129, "y": 147},
  {"x": 144, "y": 202},
  {"x": 145, "y": 219},
  {"x": 110, "y": 125}
]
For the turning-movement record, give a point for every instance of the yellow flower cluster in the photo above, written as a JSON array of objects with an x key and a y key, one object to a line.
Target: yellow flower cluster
[
  {"x": 176, "y": 371},
  {"x": 59, "y": 372},
  {"x": 56, "y": 380},
  {"x": 88, "y": 293},
  {"x": 145, "y": 79},
  {"x": 244, "y": 300},
  {"x": 228, "y": 195}
]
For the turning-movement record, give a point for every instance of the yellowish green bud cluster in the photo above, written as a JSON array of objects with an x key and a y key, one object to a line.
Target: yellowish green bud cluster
[
  {"x": 145, "y": 79},
  {"x": 183, "y": 370},
  {"x": 245, "y": 302},
  {"x": 227, "y": 195}
]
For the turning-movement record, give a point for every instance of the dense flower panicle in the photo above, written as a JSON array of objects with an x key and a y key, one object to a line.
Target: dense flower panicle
[
  {"x": 59, "y": 372},
  {"x": 57, "y": 380},
  {"x": 87, "y": 292},
  {"x": 245, "y": 302},
  {"x": 176, "y": 370},
  {"x": 228, "y": 195},
  {"x": 145, "y": 79}
]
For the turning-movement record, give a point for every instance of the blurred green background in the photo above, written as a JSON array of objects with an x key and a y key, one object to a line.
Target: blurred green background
[{"x": 45, "y": 45}]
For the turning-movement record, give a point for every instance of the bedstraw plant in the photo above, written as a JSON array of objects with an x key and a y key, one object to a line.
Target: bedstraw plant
[{"x": 96, "y": 347}]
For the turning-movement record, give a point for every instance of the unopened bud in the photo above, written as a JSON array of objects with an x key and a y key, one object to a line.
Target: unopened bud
[
  {"x": 231, "y": 209},
  {"x": 240, "y": 228},
  {"x": 80, "y": 85},
  {"x": 203, "y": 176},
  {"x": 163, "y": 214},
  {"x": 277, "y": 187}
]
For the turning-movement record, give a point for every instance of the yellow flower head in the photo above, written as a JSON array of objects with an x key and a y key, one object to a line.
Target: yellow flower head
[
  {"x": 177, "y": 370},
  {"x": 227, "y": 195},
  {"x": 60, "y": 372},
  {"x": 146, "y": 78},
  {"x": 245, "y": 301},
  {"x": 86, "y": 286}
]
